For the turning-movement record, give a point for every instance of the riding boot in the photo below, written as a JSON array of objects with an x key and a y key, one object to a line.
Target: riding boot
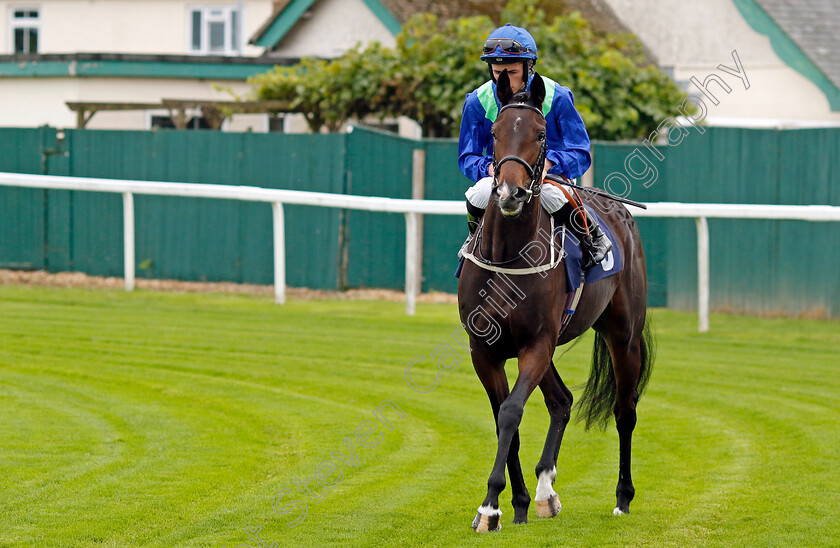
[
  {"x": 474, "y": 215},
  {"x": 594, "y": 244}
]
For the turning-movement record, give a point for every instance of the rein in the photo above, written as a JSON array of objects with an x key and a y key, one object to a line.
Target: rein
[{"x": 535, "y": 171}]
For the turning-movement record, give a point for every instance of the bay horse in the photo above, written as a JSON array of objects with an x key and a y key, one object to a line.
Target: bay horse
[{"x": 514, "y": 309}]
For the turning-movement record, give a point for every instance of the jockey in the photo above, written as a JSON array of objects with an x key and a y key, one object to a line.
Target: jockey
[{"x": 513, "y": 49}]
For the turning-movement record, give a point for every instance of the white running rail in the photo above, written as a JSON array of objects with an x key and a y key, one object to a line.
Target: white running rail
[{"x": 412, "y": 209}]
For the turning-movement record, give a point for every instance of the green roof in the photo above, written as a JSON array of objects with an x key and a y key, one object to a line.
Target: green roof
[
  {"x": 133, "y": 66},
  {"x": 288, "y": 17},
  {"x": 787, "y": 49}
]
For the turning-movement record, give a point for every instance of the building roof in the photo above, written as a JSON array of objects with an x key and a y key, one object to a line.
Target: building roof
[
  {"x": 287, "y": 13},
  {"x": 597, "y": 12},
  {"x": 803, "y": 33},
  {"x": 814, "y": 25},
  {"x": 136, "y": 65},
  {"x": 393, "y": 13}
]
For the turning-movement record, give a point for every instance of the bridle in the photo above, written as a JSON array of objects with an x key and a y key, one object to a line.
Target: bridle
[{"x": 534, "y": 171}]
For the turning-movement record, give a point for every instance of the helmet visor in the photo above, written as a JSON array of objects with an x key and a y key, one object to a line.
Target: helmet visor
[{"x": 507, "y": 45}]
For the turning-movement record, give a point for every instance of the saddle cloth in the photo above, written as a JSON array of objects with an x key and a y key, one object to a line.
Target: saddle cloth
[{"x": 612, "y": 263}]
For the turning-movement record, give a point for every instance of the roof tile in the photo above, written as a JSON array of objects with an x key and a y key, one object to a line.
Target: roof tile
[{"x": 813, "y": 25}]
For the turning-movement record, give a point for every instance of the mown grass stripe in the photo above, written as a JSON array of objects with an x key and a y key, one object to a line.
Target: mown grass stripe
[{"x": 198, "y": 409}]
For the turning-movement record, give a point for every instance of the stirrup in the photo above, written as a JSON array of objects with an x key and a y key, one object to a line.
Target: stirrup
[
  {"x": 474, "y": 215},
  {"x": 597, "y": 246},
  {"x": 466, "y": 245}
]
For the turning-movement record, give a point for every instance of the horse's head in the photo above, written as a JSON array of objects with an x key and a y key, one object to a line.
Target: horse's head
[{"x": 519, "y": 145}]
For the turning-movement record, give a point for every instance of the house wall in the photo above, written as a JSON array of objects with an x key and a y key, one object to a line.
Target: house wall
[
  {"x": 693, "y": 38},
  {"x": 32, "y": 102},
  {"x": 161, "y": 27},
  {"x": 331, "y": 28},
  {"x": 121, "y": 26},
  {"x": 29, "y": 102}
]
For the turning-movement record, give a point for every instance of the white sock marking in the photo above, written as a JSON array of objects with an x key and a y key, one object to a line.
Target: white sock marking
[
  {"x": 545, "y": 491},
  {"x": 489, "y": 511}
]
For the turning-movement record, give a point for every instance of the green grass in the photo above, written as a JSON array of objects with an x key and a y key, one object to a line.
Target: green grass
[{"x": 151, "y": 419}]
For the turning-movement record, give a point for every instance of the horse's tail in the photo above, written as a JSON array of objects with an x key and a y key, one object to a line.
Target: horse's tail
[{"x": 599, "y": 396}]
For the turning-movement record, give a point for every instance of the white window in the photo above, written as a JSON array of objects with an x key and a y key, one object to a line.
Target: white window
[
  {"x": 25, "y": 24},
  {"x": 213, "y": 30}
]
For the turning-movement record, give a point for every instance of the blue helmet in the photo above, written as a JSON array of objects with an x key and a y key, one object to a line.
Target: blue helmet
[{"x": 509, "y": 44}]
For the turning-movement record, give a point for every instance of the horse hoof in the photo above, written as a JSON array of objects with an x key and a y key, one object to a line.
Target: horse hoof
[
  {"x": 484, "y": 523},
  {"x": 549, "y": 508},
  {"x": 619, "y": 512}
]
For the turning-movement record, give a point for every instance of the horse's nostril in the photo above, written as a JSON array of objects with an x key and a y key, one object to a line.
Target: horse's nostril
[{"x": 518, "y": 193}]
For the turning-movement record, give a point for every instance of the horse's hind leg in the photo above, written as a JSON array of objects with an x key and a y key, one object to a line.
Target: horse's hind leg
[
  {"x": 558, "y": 400},
  {"x": 627, "y": 361},
  {"x": 493, "y": 378}
]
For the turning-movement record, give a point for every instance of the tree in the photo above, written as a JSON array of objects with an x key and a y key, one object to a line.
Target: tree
[
  {"x": 426, "y": 76},
  {"x": 329, "y": 93}
]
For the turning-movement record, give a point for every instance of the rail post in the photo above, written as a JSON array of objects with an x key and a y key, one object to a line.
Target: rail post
[
  {"x": 702, "y": 274},
  {"x": 128, "y": 240},
  {"x": 412, "y": 259},
  {"x": 279, "y": 252}
]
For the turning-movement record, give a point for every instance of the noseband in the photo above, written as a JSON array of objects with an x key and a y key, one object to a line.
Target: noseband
[{"x": 535, "y": 171}]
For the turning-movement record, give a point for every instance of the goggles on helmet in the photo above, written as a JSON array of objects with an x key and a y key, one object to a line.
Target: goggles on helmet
[{"x": 508, "y": 45}]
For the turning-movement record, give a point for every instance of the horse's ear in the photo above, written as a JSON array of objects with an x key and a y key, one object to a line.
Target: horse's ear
[
  {"x": 537, "y": 91},
  {"x": 503, "y": 91}
]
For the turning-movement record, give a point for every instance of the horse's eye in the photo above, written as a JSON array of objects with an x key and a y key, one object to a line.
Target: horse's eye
[{"x": 541, "y": 136}]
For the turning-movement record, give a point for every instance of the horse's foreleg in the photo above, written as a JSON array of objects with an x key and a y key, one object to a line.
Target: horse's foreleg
[
  {"x": 509, "y": 417},
  {"x": 495, "y": 383},
  {"x": 558, "y": 400}
]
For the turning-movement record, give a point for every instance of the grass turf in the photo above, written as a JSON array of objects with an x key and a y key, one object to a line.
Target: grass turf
[{"x": 152, "y": 419}]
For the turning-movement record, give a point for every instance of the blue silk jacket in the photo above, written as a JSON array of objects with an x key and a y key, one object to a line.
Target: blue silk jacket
[{"x": 567, "y": 139}]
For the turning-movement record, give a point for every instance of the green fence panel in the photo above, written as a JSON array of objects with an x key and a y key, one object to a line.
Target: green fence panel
[
  {"x": 378, "y": 164},
  {"x": 757, "y": 266},
  {"x": 609, "y": 158},
  {"x": 84, "y": 228},
  {"x": 707, "y": 168},
  {"x": 809, "y": 253},
  {"x": 442, "y": 234},
  {"x": 204, "y": 239},
  {"x": 22, "y": 218},
  {"x": 300, "y": 162},
  {"x": 721, "y": 166}
]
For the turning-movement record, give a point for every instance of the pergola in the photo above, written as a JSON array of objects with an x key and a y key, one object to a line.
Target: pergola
[{"x": 214, "y": 112}]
